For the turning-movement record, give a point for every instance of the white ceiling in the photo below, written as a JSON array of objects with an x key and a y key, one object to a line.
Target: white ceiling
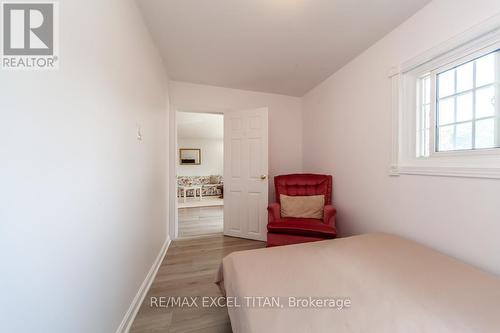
[
  {"x": 199, "y": 125},
  {"x": 278, "y": 46}
]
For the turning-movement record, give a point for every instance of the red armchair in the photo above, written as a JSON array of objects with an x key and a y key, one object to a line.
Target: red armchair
[{"x": 283, "y": 231}]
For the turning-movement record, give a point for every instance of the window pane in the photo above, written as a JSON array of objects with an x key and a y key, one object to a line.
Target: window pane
[
  {"x": 485, "y": 70},
  {"x": 466, "y": 114},
  {"x": 423, "y": 116},
  {"x": 485, "y": 102},
  {"x": 426, "y": 146},
  {"x": 463, "y": 136},
  {"x": 464, "y": 107},
  {"x": 465, "y": 77},
  {"x": 446, "y": 111},
  {"x": 446, "y": 138},
  {"x": 427, "y": 90},
  {"x": 485, "y": 133},
  {"x": 422, "y": 143},
  {"x": 446, "y": 83},
  {"x": 427, "y": 116}
]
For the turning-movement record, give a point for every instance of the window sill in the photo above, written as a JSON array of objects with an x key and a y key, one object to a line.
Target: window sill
[{"x": 464, "y": 172}]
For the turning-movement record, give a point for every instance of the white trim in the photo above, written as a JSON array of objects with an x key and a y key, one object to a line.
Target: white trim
[
  {"x": 134, "y": 307},
  {"x": 490, "y": 173},
  {"x": 458, "y": 164},
  {"x": 478, "y": 34},
  {"x": 172, "y": 175},
  {"x": 396, "y": 120}
]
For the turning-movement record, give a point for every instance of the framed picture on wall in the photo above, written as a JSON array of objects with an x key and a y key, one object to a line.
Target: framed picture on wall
[{"x": 189, "y": 156}]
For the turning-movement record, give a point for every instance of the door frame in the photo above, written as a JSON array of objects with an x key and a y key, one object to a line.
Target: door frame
[{"x": 173, "y": 203}]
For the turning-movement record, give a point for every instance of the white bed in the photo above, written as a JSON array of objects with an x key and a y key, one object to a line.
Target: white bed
[{"x": 394, "y": 285}]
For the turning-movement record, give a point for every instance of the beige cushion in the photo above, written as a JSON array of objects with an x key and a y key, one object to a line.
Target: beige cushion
[{"x": 310, "y": 206}]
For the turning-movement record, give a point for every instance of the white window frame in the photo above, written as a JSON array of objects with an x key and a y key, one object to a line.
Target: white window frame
[{"x": 482, "y": 163}]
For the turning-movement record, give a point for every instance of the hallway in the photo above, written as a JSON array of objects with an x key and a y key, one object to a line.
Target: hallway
[{"x": 200, "y": 221}]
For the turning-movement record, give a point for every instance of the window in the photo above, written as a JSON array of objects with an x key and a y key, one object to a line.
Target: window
[
  {"x": 465, "y": 104},
  {"x": 446, "y": 103},
  {"x": 424, "y": 118}
]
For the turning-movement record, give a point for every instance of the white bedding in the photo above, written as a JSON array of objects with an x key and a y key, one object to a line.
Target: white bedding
[{"x": 394, "y": 285}]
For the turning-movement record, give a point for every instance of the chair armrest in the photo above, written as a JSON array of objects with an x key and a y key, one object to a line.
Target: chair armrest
[
  {"x": 274, "y": 210},
  {"x": 329, "y": 215}
]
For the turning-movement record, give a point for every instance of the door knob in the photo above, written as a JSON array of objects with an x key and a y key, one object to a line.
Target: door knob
[{"x": 263, "y": 177}]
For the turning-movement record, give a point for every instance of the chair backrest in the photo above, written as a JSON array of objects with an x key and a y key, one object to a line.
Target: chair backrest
[{"x": 304, "y": 184}]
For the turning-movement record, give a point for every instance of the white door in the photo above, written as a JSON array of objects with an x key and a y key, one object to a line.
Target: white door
[{"x": 246, "y": 173}]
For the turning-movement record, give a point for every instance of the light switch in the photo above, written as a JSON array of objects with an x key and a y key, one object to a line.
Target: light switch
[{"x": 139, "y": 133}]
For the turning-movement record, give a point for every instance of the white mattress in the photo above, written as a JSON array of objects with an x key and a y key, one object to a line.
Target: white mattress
[{"x": 394, "y": 285}]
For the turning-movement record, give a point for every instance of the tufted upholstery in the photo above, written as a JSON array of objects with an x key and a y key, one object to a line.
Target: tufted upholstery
[
  {"x": 304, "y": 184},
  {"x": 283, "y": 231}
]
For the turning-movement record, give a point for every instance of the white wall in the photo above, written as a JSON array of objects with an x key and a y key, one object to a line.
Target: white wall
[
  {"x": 285, "y": 119},
  {"x": 212, "y": 157},
  {"x": 83, "y": 209},
  {"x": 347, "y": 132}
]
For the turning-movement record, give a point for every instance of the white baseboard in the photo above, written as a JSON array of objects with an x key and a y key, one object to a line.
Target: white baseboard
[{"x": 143, "y": 290}]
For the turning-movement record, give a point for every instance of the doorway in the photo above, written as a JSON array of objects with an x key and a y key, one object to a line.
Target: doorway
[
  {"x": 205, "y": 204},
  {"x": 199, "y": 173}
]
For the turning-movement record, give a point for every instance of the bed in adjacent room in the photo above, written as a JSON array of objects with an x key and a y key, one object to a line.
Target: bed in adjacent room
[{"x": 386, "y": 284}]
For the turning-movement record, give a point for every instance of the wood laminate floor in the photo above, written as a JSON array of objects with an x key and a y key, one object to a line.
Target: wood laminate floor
[
  {"x": 189, "y": 269},
  {"x": 204, "y": 202},
  {"x": 200, "y": 221}
]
